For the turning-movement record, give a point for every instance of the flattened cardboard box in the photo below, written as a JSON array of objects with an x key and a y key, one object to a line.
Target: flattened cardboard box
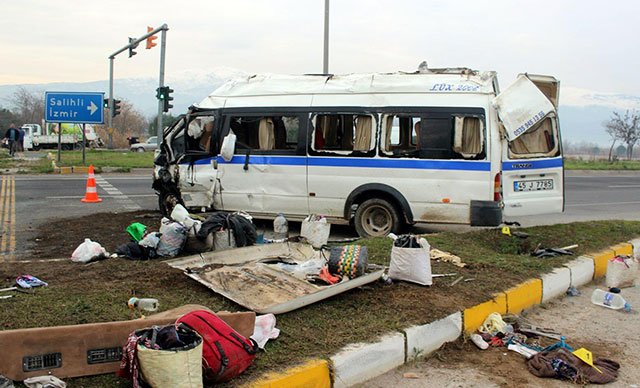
[{"x": 88, "y": 349}]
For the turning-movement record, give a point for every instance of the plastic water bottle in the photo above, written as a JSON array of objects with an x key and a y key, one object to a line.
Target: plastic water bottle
[
  {"x": 608, "y": 300},
  {"x": 280, "y": 227},
  {"x": 146, "y": 304}
]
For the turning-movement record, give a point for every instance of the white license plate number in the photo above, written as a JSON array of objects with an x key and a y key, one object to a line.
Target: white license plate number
[{"x": 534, "y": 185}]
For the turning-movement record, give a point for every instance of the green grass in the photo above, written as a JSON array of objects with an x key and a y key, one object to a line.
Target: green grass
[
  {"x": 80, "y": 294},
  {"x": 579, "y": 164},
  {"x": 107, "y": 158}
]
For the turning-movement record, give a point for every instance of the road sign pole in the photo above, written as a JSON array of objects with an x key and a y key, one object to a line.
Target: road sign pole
[
  {"x": 163, "y": 43},
  {"x": 59, "y": 142},
  {"x": 84, "y": 143},
  {"x": 110, "y": 102}
]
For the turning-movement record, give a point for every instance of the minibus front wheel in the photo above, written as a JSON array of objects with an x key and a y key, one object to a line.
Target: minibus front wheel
[{"x": 377, "y": 217}]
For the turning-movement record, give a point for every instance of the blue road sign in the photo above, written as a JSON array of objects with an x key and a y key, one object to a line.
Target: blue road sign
[{"x": 74, "y": 107}]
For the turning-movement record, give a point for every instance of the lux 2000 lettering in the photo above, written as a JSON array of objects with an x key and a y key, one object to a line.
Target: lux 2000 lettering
[{"x": 454, "y": 88}]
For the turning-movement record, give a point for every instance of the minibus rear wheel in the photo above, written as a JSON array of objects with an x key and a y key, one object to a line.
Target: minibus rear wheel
[{"x": 377, "y": 218}]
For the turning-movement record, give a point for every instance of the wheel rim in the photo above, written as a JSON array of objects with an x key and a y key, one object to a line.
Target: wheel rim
[{"x": 377, "y": 221}]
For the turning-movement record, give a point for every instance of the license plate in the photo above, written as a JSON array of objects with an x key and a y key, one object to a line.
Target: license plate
[{"x": 534, "y": 185}]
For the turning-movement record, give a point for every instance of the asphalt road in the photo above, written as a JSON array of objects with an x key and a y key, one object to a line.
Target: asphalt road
[{"x": 40, "y": 198}]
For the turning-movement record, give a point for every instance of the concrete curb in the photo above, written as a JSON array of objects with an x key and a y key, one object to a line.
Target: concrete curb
[
  {"x": 358, "y": 363},
  {"x": 426, "y": 339}
]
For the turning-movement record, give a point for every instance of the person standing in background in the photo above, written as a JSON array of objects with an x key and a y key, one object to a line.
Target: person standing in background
[{"x": 12, "y": 134}]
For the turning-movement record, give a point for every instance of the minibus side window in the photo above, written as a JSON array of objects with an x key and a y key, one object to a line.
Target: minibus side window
[
  {"x": 266, "y": 134},
  {"x": 539, "y": 141},
  {"x": 343, "y": 134},
  {"x": 468, "y": 137},
  {"x": 199, "y": 135},
  {"x": 432, "y": 135}
]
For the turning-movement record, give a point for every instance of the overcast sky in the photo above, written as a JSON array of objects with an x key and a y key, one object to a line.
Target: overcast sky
[{"x": 586, "y": 44}]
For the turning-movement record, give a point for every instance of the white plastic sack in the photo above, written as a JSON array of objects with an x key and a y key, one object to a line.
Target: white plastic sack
[
  {"x": 174, "y": 235},
  {"x": 87, "y": 251},
  {"x": 315, "y": 230},
  {"x": 228, "y": 146},
  {"x": 151, "y": 240},
  {"x": 411, "y": 264},
  {"x": 181, "y": 215},
  {"x": 622, "y": 272}
]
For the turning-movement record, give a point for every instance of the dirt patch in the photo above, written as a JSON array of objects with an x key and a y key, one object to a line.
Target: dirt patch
[{"x": 58, "y": 238}]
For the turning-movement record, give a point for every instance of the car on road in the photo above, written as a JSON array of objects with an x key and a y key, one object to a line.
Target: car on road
[{"x": 150, "y": 144}]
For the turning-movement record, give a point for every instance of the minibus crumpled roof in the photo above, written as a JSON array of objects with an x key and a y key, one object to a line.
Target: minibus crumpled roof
[{"x": 272, "y": 85}]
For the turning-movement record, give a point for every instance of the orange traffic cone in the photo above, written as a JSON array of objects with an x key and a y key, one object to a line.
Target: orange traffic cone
[{"x": 92, "y": 192}]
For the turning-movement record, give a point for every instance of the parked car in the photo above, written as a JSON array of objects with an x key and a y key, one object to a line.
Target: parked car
[{"x": 150, "y": 144}]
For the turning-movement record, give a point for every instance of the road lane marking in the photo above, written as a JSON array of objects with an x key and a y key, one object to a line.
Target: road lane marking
[
  {"x": 624, "y": 186},
  {"x": 602, "y": 203},
  {"x": 8, "y": 211},
  {"x": 116, "y": 194}
]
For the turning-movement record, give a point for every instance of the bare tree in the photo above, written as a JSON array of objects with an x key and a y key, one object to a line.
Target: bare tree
[
  {"x": 28, "y": 107},
  {"x": 613, "y": 134},
  {"x": 626, "y": 128}
]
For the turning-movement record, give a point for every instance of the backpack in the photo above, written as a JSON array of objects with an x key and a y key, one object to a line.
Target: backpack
[{"x": 225, "y": 352}]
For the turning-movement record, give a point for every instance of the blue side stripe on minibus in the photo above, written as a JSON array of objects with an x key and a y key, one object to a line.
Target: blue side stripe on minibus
[
  {"x": 358, "y": 162},
  {"x": 528, "y": 164}
]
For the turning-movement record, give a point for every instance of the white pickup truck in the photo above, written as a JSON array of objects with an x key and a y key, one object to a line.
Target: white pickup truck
[{"x": 35, "y": 138}]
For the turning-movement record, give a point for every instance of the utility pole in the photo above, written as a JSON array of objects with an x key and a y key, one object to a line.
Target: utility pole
[
  {"x": 325, "y": 63},
  {"x": 133, "y": 43}
]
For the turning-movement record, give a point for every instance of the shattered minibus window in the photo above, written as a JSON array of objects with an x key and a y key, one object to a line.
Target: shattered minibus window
[
  {"x": 539, "y": 141},
  {"x": 343, "y": 134},
  {"x": 266, "y": 133},
  {"x": 199, "y": 134}
]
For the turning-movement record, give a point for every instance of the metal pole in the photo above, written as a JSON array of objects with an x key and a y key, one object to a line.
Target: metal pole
[
  {"x": 84, "y": 142},
  {"x": 110, "y": 102},
  {"x": 59, "y": 142},
  {"x": 163, "y": 43},
  {"x": 325, "y": 63}
]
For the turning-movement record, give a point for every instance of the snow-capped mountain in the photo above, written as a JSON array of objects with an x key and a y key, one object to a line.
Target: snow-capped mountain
[{"x": 582, "y": 111}]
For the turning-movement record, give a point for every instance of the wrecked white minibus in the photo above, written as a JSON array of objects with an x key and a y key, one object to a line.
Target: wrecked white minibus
[{"x": 379, "y": 151}]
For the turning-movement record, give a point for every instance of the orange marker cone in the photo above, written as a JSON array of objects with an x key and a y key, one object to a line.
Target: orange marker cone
[{"x": 91, "y": 195}]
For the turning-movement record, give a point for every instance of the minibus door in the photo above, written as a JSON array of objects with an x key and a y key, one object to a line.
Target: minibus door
[{"x": 532, "y": 166}]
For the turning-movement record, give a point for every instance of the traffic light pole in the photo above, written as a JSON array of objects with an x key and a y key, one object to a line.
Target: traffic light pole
[
  {"x": 163, "y": 44},
  {"x": 110, "y": 102},
  {"x": 133, "y": 43}
]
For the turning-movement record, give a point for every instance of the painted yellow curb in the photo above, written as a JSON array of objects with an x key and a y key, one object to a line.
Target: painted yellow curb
[
  {"x": 81, "y": 169},
  {"x": 313, "y": 374},
  {"x": 623, "y": 249},
  {"x": 524, "y": 295},
  {"x": 600, "y": 260},
  {"x": 473, "y": 317},
  {"x": 65, "y": 170}
]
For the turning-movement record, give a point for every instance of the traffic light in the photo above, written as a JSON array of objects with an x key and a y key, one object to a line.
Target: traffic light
[
  {"x": 132, "y": 46},
  {"x": 163, "y": 94},
  {"x": 116, "y": 108},
  {"x": 105, "y": 103},
  {"x": 150, "y": 40}
]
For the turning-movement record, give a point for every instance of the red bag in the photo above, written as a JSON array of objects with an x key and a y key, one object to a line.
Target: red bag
[{"x": 225, "y": 352}]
